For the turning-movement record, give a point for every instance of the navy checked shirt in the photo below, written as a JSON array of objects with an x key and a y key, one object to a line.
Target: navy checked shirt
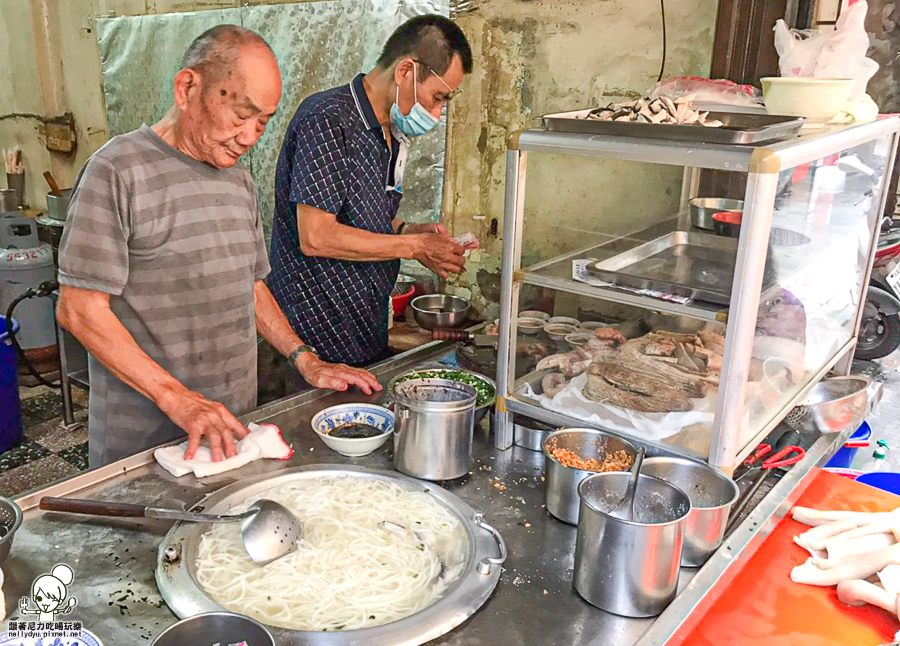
[{"x": 335, "y": 158}]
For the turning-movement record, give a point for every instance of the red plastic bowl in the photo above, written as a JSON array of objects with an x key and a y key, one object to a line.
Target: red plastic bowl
[
  {"x": 727, "y": 223},
  {"x": 400, "y": 301}
]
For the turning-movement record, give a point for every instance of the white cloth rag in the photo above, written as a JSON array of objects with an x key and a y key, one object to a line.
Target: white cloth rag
[{"x": 263, "y": 441}]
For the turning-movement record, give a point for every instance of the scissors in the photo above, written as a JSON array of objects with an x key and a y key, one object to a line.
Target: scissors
[{"x": 787, "y": 456}]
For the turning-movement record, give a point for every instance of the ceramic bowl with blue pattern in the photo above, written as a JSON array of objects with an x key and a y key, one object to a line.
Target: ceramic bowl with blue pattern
[{"x": 333, "y": 417}]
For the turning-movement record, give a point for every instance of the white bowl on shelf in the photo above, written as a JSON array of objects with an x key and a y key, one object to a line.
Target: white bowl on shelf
[
  {"x": 564, "y": 320},
  {"x": 558, "y": 331},
  {"x": 529, "y": 325},
  {"x": 534, "y": 314},
  {"x": 330, "y": 418}
]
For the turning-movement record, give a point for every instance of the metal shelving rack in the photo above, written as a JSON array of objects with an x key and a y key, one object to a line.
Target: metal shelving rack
[{"x": 762, "y": 164}]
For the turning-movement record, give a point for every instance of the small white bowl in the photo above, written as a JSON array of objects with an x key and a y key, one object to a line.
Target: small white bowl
[
  {"x": 354, "y": 447},
  {"x": 534, "y": 314},
  {"x": 592, "y": 326},
  {"x": 558, "y": 331},
  {"x": 529, "y": 325},
  {"x": 579, "y": 337},
  {"x": 564, "y": 320}
]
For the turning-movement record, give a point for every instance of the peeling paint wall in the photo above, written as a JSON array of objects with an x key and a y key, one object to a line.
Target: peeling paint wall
[
  {"x": 531, "y": 57},
  {"x": 538, "y": 57}
]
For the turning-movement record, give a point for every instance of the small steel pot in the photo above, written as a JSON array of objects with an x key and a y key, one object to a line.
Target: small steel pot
[
  {"x": 530, "y": 433},
  {"x": 561, "y": 492},
  {"x": 712, "y": 494},
  {"x": 58, "y": 205},
  {"x": 703, "y": 208},
  {"x": 629, "y": 568},
  {"x": 435, "y": 419},
  {"x": 214, "y": 628}
]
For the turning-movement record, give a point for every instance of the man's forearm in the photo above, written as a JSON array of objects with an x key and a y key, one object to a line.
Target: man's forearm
[
  {"x": 323, "y": 236},
  {"x": 272, "y": 324},
  {"x": 88, "y": 317}
]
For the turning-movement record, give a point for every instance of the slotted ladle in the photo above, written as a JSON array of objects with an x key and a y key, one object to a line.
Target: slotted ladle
[{"x": 268, "y": 529}]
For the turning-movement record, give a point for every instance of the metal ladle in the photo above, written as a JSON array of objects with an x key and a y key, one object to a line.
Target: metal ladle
[
  {"x": 268, "y": 529},
  {"x": 625, "y": 509}
]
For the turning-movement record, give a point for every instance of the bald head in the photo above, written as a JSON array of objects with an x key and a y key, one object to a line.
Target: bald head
[
  {"x": 216, "y": 53},
  {"x": 226, "y": 92}
]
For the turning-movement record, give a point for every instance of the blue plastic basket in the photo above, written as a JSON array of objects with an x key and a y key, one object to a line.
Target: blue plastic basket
[
  {"x": 844, "y": 456},
  {"x": 10, "y": 406},
  {"x": 884, "y": 480}
]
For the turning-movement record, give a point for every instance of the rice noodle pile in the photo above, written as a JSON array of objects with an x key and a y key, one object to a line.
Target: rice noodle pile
[{"x": 372, "y": 552}]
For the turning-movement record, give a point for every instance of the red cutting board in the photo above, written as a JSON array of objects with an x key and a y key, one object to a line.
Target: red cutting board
[{"x": 763, "y": 607}]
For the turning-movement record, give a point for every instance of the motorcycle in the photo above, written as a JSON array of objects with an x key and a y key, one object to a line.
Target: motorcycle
[{"x": 879, "y": 332}]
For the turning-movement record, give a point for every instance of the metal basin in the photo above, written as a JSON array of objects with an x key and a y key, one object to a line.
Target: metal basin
[
  {"x": 703, "y": 208},
  {"x": 561, "y": 481},
  {"x": 629, "y": 568},
  {"x": 10, "y": 520},
  {"x": 832, "y": 405},
  {"x": 440, "y": 310},
  {"x": 215, "y": 628},
  {"x": 712, "y": 495},
  {"x": 176, "y": 578}
]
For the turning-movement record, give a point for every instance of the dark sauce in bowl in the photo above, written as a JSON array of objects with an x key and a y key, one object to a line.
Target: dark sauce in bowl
[{"x": 354, "y": 431}]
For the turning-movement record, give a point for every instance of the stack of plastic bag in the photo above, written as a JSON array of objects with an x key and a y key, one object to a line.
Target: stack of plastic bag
[{"x": 837, "y": 55}]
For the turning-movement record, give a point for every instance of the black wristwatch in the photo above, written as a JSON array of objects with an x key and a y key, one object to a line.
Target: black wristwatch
[{"x": 300, "y": 349}]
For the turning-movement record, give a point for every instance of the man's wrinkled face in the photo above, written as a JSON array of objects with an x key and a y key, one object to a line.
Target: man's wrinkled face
[{"x": 226, "y": 118}]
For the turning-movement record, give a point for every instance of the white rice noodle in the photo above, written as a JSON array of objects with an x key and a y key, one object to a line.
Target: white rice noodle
[{"x": 372, "y": 552}]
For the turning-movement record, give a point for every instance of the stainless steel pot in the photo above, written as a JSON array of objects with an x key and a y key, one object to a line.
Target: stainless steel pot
[
  {"x": 703, "y": 208},
  {"x": 215, "y": 628},
  {"x": 712, "y": 495},
  {"x": 435, "y": 419},
  {"x": 58, "y": 205},
  {"x": 439, "y": 310},
  {"x": 629, "y": 568},
  {"x": 432, "y": 368},
  {"x": 530, "y": 433},
  {"x": 561, "y": 481}
]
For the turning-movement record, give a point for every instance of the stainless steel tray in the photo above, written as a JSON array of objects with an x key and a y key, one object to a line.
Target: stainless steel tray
[
  {"x": 738, "y": 128},
  {"x": 683, "y": 263}
]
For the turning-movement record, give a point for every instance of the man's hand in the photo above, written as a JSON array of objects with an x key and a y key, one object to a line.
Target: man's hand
[
  {"x": 439, "y": 252},
  {"x": 335, "y": 376},
  {"x": 199, "y": 417}
]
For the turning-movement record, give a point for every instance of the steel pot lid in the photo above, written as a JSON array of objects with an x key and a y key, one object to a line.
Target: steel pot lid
[{"x": 176, "y": 578}]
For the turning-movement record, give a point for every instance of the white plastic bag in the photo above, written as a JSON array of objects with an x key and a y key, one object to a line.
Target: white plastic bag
[{"x": 838, "y": 55}]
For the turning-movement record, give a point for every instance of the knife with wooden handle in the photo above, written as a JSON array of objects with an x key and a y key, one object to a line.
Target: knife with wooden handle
[{"x": 439, "y": 334}]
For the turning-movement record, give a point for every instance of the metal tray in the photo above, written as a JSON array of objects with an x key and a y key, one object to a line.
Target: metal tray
[
  {"x": 738, "y": 128},
  {"x": 683, "y": 263}
]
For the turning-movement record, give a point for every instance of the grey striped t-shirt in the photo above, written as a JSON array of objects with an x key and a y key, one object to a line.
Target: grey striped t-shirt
[{"x": 178, "y": 245}]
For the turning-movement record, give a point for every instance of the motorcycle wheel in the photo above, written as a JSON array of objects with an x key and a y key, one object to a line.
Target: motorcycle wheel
[{"x": 879, "y": 334}]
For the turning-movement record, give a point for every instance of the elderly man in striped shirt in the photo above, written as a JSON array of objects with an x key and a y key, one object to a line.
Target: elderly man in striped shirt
[{"x": 163, "y": 259}]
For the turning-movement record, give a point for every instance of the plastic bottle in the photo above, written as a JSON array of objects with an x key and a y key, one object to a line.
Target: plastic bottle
[{"x": 878, "y": 461}]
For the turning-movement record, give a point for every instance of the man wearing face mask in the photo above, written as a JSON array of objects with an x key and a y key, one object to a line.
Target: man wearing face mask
[
  {"x": 337, "y": 241},
  {"x": 162, "y": 262}
]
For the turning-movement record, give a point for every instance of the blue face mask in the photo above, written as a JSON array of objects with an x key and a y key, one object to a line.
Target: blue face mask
[{"x": 419, "y": 121}]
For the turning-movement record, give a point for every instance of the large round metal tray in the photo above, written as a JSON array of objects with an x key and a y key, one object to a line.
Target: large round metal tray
[{"x": 175, "y": 570}]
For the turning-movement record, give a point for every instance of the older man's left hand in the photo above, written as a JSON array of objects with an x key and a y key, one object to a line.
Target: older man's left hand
[{"x": 336, "y": 376}]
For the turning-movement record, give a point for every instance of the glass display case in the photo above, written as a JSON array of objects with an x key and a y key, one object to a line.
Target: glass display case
[{"x": 697, "y": 333}]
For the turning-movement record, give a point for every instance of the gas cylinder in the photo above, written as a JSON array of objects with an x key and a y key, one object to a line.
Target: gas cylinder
[{"x": 26, "y": 263}]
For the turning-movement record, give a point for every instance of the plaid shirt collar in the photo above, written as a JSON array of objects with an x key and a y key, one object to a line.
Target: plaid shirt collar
[{"x": 363, "y": 106}]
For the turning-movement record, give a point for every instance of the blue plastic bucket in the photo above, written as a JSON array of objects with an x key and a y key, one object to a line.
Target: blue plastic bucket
[
  {"x": 844, "y": 456},
  {"x": 882, "y": 480},
  {"x": 10, "y": 406}
]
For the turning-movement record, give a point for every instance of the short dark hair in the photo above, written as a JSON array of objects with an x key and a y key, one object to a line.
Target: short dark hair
[
  {"x": 214, "y": 52},
  {"x": 429, "y": 39}
]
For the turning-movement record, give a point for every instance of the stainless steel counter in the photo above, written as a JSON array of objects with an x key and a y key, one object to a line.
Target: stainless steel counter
[{"x": 114, "y": 559}]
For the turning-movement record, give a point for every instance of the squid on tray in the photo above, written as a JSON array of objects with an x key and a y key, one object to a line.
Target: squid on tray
[{"x": 852, "y": 550}]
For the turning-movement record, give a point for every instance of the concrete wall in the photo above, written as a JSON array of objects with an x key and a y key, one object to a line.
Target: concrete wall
[{"x": 532, "y": 57}]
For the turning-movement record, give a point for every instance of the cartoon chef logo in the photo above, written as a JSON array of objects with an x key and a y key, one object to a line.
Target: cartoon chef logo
[{"x": 50, "y": 595}]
